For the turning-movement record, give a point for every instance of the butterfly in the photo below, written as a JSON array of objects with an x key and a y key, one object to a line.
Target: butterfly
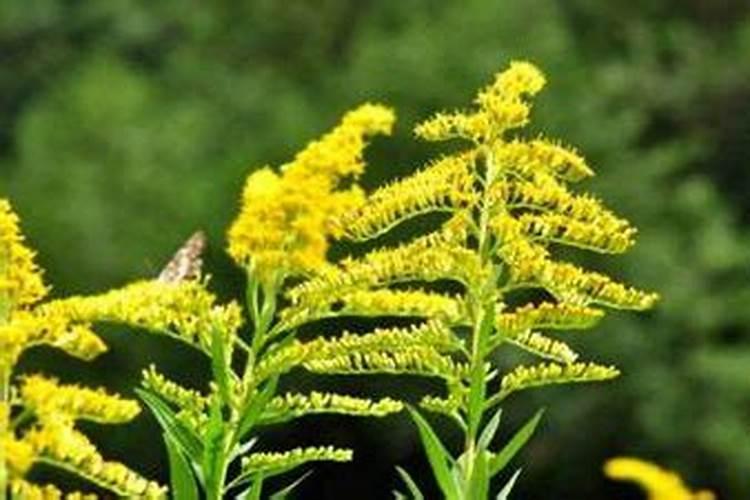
[{"x": 187, "y": 262}]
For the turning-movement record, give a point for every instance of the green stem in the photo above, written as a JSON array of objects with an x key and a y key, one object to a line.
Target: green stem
[{"x": 483, "y": 305}]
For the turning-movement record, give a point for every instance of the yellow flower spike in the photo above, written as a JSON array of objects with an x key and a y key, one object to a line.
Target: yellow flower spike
[
  {"x": 58, "y": 443},
  {"x": 285, "y": 220},
  {"x": 50, "y": 400},
  {"x": 544, "y": 347},
  {"x": 185, "y": 310},
  {"x": 445, "y": 185},
  {"x": 186, "y": 399},
  {"x": 48, "y": 324},
  {"x": 20, "y": 278},
  {"x": 548, "y": 316},
  {"x": 524, "y": 377},
  {"x": 658, "y": 483},
  {"x": 542, "y": 157},
  {"x": 428, "y": 258},
  {"x": 269, "y": 461},
  {"x": 521, "y": 78},
  {"x": 289, "y": 406}
]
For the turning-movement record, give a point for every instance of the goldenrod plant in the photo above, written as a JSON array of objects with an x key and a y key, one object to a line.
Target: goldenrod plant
[
  {"x": 281, "y": 234},
  {"x": 38, "y": 414},
  {"x": 487, "y": 278},
  {"x": 656, "y": 482}
]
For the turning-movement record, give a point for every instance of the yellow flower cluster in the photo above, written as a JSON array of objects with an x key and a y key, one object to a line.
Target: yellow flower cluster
[
  {"x": 544, "y": 347},
  {"x": 262, "y": 461},
  {"x": 524, "y": 377},
  {"x": 424, "y": 361},
  {"x": 658, "y": 483},
  {"x": 53, "y": 439},
  {"x": 184, "y": 398},
  {"x": 20, "y": 279},
  {"x": 48, "y": 433},
  {"x": 547, "y": 315},
  {"x": 429, "y": 258},
  {"x": 501, "y": 107},
  {"x": 404, "y": 303},
  {"x": 285, "y": 220},
  {"x": 185, "y": 310},
  {"x": 28, "y": 491},
  {"x": 52, "y": 401},
  {"x": 530, "y": 159},
  {"x": 51, "y": 326},
  {"x": 290, "y": 406},
  {"x": 314, "y": 353},
  {"x": 23, "y": 325},
  {"x": 441, "y": 186},
  {"x": 58, "y": 443}
]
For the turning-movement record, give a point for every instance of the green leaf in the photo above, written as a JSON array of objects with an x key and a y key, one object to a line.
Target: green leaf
[
  {"x": 182, "y": 480},
  {"x": 214, "y": 458},
  {"x": 477, "y": 389},
  {"x": 411, "y": 485},
  {"x": 220, "y": 364},
  {"x": 503, "y": 495},
  {"x": 253, "y": 492},
  {"x": 181, "y": 434},
  {"x": 437, "y": 455},
  {"x": 489, "y": 430},
  {"x": 257, "y": 487},
  {"x": 254, "y": 409},
  {"x": 284, "y": 492},
  {"x": 499, "y": 461},
  {"x": 479, "y": 483}
]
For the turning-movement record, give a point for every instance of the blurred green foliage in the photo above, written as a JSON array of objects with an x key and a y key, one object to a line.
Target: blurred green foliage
[{"x": 126, "y": 124}]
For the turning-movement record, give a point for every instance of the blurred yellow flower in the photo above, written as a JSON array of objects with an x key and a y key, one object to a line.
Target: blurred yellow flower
[{"x": 658, "y": 483}]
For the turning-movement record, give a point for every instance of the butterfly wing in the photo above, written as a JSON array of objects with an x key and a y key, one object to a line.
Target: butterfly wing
[{"x": 187, "y": 262}]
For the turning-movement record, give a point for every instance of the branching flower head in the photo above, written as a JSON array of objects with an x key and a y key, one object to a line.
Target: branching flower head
[
  {"x": 38, "y": 416},
  {"x": 286, "y": 220}
]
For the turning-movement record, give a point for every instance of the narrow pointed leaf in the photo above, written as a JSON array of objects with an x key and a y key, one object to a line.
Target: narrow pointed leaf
[
  {"x": 515, "y": 444},
  {"x": 181, "y": 434},
  {"x": 490, "y": 430},
  {"x": 437, "y": 455},
  {"x": 478, "y": 386},
  {"x": 254, "y": 409},
  {"x": 220, "y": 364},
  {"x": 505, "y": 492},
  {"x": 411, "y": 485},
  {"x": 257, "y": 487},
  {"x": 284, "y": 492},
  {"x": 182, "y": 480}
]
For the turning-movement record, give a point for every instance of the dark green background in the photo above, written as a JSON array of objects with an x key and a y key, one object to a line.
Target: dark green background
[{"x": 125, "y": 125}]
